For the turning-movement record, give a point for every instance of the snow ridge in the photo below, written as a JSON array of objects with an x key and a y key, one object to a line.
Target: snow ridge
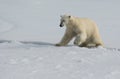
[{"x": 28, "y": 44}]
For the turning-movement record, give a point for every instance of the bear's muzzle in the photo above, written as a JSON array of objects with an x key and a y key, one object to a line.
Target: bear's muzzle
[{"x": 61, "y": 25}]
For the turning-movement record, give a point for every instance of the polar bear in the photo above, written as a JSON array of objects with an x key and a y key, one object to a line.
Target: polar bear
[{"x": 84, "y": 30}]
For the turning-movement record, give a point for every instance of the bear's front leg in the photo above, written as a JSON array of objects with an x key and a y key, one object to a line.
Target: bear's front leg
[
  {"x": 80, "y": 39},
  {"x": 59, "y": 44},
  {"x": 66, "y": 38}
]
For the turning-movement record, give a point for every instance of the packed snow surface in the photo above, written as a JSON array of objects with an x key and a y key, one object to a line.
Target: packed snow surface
[{"x": 40, "y": 60}]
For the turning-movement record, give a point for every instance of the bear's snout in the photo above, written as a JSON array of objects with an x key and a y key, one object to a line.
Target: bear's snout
[{"x": 61, "y": 25}]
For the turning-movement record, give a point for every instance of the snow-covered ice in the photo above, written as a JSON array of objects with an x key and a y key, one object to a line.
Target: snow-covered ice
[
  {"x": 50, "y": 62},
  {"x": 30, "y": 28}
]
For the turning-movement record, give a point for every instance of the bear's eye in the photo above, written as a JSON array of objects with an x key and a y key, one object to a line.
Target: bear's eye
[{"x": 63, "y": 20}]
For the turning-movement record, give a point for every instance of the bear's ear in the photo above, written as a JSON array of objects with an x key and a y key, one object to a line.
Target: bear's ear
[
  {"x": 61, "y": 16},
  {"x": 69, "y": 16}
]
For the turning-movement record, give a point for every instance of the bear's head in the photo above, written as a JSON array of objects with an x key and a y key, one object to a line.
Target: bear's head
[{"x": 64, "y": 20}]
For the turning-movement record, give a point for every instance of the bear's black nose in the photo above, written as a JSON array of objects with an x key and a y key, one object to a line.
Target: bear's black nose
[{"x": 61, "y": 25}]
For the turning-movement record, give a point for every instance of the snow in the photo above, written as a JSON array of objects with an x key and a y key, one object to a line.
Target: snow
[
  {"x": 49, "y": 62},
  {"x": 30, "y": 28}
]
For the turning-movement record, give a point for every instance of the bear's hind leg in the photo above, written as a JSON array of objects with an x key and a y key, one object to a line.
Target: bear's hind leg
[
  {"x": 99, "y": 44},
  {"x": 83, "y": 45}
]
